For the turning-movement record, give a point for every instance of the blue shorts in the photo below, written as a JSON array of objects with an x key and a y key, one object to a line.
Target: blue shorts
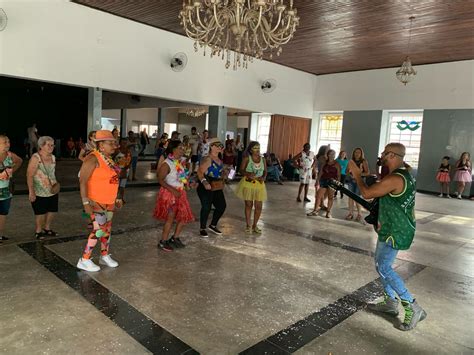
[
  {"x": 5, "y": 206},
  {"x": 352, "y": 186},
  {"x": 324, "y": 183}
]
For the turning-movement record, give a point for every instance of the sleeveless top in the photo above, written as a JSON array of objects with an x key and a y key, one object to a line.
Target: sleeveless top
[
  {"x": 256, "y": 168},
  {"x": 45, "y": 176},
  {"x": 463, "y": 166},
  {"x": 177, "y": 174},
  {"x": 397, "y": 214},
  {"x": 329, "y": 171},
  {"x": 306, "y": 160},
  {"x": 444, "y": 168},
  {"x": 5, "y": 177},
  {"x": 343, "y": 163},
  {"x": 103, "y": 184},
  {"x": 215, "y": 170}
]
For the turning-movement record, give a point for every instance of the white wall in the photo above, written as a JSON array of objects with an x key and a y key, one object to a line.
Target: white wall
[
  {"x": 64, "y": 42},
  {"x": 436, "y": 86},
  {"x": 111, "y": 114},
  {"x": 144, "y": 115}
]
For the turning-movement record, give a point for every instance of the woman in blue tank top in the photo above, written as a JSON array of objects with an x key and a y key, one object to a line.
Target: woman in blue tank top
[{"x": 210, "y": 189}]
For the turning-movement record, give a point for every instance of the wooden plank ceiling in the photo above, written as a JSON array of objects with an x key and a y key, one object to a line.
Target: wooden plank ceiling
[{"x": 345, "y": 35}]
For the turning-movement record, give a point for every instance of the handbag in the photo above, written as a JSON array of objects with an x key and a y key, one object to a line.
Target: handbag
[
  {"x": 11, "y": 184},
  {"x": 217, "y": 185},
  {"x": 56, "y": 187}
]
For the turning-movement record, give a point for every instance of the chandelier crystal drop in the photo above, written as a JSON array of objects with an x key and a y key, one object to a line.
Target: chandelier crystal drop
[
  {"x": 196, "y": 112},
  {"x": 407, "y": 73},
  {"x": 249, "y": 28}
]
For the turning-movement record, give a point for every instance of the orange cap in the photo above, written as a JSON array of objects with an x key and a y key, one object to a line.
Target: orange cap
[{"x": 103, "y": 135}]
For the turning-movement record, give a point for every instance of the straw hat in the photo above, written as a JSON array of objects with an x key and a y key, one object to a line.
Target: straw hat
[{"x": 103, "y": 135}]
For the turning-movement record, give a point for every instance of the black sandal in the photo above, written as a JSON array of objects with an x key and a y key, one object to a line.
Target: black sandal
[
  {"x": 39, "y": 236},
  {"x": 3, "y": 238},
  {"x": 50, "y": 233}
]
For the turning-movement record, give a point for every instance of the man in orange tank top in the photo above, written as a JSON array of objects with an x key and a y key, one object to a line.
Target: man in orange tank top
[{"x": 99, "y": 184}]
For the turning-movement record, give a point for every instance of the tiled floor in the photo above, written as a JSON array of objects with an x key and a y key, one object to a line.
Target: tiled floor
[{"x": 299, "y": 287}]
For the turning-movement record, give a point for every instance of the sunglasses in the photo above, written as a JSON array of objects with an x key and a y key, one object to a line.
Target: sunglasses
[
  {"x": 218, "y": 145},
  {"x": 383, "y": 154}
]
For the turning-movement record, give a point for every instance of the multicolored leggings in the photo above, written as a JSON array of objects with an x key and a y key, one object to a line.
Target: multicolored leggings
[{"x": 101, "y": 229}]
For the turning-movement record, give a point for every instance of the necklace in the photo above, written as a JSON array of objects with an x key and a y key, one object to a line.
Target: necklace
[
  {"x": 180, "y": 169},
  {"x": 109, "y": 161}
]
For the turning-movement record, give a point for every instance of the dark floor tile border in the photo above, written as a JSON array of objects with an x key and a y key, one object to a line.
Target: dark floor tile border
[
  {"x": 303, "y": 332},
  {"x": 431, "y": 218},
  {"x": 140, "y": 327}
]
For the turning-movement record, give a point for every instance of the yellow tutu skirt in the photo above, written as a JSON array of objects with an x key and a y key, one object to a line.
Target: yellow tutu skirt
[{"x": 251, "y": 190}]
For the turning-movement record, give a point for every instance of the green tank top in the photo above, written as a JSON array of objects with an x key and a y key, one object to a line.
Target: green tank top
[
  {"x": 397, "y": 214},
  {"x": 256, "y": 168}
]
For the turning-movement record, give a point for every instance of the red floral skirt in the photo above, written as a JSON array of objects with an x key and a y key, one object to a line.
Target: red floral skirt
[{"x": 166, "y": 203}]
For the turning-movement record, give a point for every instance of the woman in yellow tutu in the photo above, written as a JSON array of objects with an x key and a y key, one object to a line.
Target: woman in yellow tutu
[{"x": 252, "y": 188}]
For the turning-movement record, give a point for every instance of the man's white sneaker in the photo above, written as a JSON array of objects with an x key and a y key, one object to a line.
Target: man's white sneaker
[
  {"x": 440, "y": 195},
  {"x": 107, "y": 260},
  {"x": 87, "y": 265}
]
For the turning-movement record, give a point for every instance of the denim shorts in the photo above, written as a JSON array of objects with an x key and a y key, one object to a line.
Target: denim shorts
[
  {"x": 5, "y": 206},
  {"x": 352, "y": 186}
]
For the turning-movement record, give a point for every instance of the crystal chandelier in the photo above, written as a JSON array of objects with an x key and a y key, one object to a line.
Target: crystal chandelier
[
  {"x": 407, "y": 73},
  {"x": 247, "y": 27},
  {"x": 196, "y": 112}
]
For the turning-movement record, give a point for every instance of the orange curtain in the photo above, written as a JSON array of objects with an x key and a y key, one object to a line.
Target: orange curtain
[{"x": 288, "y": 135}]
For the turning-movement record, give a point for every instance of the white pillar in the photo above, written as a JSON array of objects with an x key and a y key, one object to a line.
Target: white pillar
[{"x": 94, "y": 109}]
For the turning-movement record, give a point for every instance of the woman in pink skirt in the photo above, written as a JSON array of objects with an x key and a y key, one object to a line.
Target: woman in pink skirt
[
  {"x": 443, "y": 176},
  {"x": 172, "y": 202},
  {"x": 463, "y": 173}
]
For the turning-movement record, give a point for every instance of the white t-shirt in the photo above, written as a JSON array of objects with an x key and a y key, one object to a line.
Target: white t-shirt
[
  {"x": 194, "y": 141},
  {"x": 204, "y": 149}
]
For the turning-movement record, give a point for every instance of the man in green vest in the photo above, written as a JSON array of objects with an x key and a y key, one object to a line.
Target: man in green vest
[{"x": 396, "y": 229}]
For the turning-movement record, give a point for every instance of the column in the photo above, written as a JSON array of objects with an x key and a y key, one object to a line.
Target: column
[
  {"x": 314, "y": 131},
  {"x": 123, "y": 123},
  {"x": 94, "y": 109},
  {"x": 161, "y": 121},
  {"x": 218, "y": 122}
]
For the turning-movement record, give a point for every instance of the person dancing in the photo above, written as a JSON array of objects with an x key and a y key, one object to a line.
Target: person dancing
[
  {"x": 99, "y": 184},
  {"x": 172, "y": 203},
  {"x": 9, "y": 164},
  {"x": 307, "y": 170},
  {"x": 211, "y": 187},
  {"x": 359, "y": 159},
  {"x": 396, "y": 230},
  {"x": 443, "y": 176},
  {"x": 252, "y": 188},
  {"x": 330, "y": 170},
  {"x": 463, "y": 173}
]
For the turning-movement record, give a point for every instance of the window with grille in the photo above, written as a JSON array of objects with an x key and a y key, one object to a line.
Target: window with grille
[
  {"x": 330, "y": 130},
  {"x": 405, "y": 128},
  {"x": 263, "y": 131}
]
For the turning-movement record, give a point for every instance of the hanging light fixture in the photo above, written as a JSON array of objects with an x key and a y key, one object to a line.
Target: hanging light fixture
[
  {"x": 248, "y": 27},
  {"x": 407, "y": 73},
  {"x": 196, "y": 111}
]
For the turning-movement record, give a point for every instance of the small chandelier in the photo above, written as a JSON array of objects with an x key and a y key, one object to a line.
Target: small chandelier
[
  {"x": 248, "y": 27},
  {"x": 196, "y": 112},
  {"x": 407, "y": 73}
]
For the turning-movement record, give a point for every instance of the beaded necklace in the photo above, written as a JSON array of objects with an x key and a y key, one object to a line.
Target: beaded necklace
[
  {"x": 180, "y": 169},
  {"x": 109, "y": 161}
]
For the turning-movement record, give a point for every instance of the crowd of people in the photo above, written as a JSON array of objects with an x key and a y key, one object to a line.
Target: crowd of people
[{"x": 205, "y": 164}]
